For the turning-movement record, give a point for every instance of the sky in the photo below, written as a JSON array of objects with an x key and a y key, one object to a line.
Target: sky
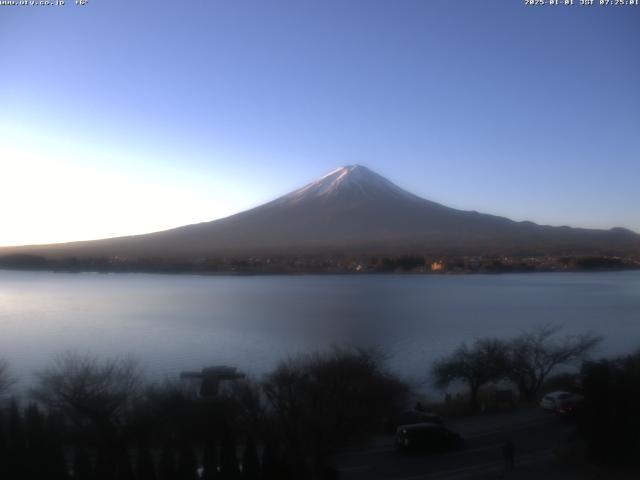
[{"x": 121, "y": 117}]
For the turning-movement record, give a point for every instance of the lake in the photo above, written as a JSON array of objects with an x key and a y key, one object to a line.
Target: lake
[{"x": 178, "y": 322}]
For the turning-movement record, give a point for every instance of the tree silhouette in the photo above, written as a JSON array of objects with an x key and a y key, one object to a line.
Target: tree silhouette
[
  {"x": 82, "y": 469},
  {"x": 145, "y": 468},
  {"x": 124, "y": 468},
  {"x": 37, "y": 451},
  {"x": 187, "y": 463},
  {"x": 609, "y": 420},
  {"x": 6, "y": 380},
  {"x": 56, "y": 462},
  {"x": 317, "y": 401},
  {"x": 167, "y": 465},
  {"x": 485, "y": 361},
  {"x": 4, "y": 450},
  {"x": 94, "y": 394},
  {"x": 87, "y": 389},
  {"x": 534, "y": 355},
  {"x": 210, "y": 461},
  {"x": 250, "y": 461},
  {"x": 269, "y": 467},
  {"x": 229, "y": 469},
  {"x": 105, "y": 464},
  {"x": 17, "y": 443}
]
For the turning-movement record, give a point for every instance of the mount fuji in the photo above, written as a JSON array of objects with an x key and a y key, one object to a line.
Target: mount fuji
[{"x": 352, "y": 210}]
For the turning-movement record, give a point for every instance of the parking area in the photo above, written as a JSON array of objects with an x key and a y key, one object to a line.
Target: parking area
[{"x": 533, "y": 433}]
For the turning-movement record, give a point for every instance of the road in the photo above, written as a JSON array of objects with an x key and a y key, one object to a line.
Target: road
[{"x": 533, "y": 432}]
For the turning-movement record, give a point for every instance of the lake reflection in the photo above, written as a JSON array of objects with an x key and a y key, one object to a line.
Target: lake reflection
[{"x": 177, "y": 322}]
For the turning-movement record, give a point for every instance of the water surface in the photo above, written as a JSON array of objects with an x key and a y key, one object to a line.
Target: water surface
[{"x": 177, "y": 322}]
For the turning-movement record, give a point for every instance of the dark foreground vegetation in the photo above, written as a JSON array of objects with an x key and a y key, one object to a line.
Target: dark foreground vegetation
[
  {"x": 91, "y": 419},
  {"x": 610, "y": 420},
  {"x": 326, "y": 264}
]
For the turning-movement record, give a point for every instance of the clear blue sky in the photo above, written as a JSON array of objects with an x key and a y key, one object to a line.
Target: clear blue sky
[{"x": 131, "y": 116}]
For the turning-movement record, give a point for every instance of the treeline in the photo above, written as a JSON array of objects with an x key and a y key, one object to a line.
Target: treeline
[
  {"x": 40, "y": 446},
  {"x": 99, "y": 264},
  {"x": 525, "y": 361},
  {"x": 250, "y": 265},
  {"x": 320, "y": 264},
  {"x": 98, "y": 419}
]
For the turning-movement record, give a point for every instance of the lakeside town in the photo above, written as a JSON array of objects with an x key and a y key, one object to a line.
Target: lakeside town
[{"x": 327, "y": 264}]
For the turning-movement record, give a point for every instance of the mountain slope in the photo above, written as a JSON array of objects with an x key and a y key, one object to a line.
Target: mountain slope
[{"x": 353, "y": 210}]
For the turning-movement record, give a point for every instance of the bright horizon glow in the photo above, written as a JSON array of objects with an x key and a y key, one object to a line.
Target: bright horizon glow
[
  {"x": 52, "y": 195},
  {"x": 191, "y": 114}
]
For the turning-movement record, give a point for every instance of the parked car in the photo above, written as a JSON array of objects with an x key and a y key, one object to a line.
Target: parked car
[
  {"x": 411, "y": 417},
  {"x": 426, "y": 438},
  {"x": 561, "y": 402}
]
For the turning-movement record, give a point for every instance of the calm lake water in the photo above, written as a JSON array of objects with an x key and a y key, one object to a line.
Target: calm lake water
[{"x": 177, "y": 322}]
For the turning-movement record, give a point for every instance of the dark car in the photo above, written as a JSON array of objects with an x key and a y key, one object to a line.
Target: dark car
[
  {"x": 411, "y": 417},
  {"x": 426, "y": 438},
  {"x": 562, "y": 403}
]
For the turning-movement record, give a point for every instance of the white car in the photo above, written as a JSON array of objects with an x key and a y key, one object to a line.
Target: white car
[{"x": 560, "y": 402}]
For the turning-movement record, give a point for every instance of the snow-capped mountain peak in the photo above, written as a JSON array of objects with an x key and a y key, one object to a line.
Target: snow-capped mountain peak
[{"x": 352, "y": 180}]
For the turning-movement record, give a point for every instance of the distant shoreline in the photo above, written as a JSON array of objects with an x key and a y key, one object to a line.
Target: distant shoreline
[{"x": 400, "y": 265}]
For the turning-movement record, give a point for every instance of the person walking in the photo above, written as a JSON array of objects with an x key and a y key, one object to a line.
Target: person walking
[{"x": 509, "y": 452}]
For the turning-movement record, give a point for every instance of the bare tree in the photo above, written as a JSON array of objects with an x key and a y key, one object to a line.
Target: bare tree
[
  {"x": 89, "y": 389},
  {"x": 247, "y": 395},
  {"x": 324, "y": 401},
  {"x": 6, "y": 379},
  {"x": 534, "y": 355},
  {"x": 485, "y": 361}
]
